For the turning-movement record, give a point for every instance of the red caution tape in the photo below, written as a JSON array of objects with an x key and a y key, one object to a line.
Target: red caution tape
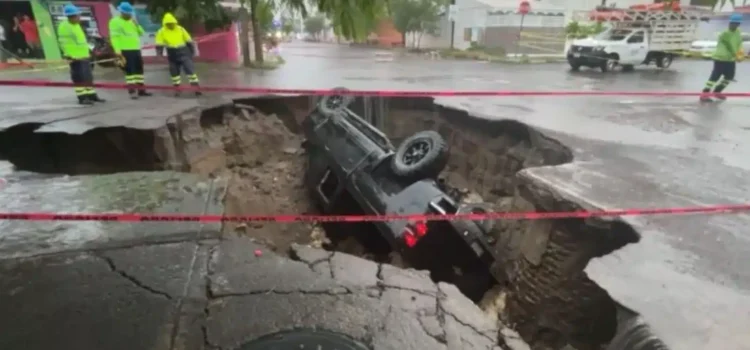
[
  {"x": 135, "y": 217},
  {"x": 380, "y": 93}
]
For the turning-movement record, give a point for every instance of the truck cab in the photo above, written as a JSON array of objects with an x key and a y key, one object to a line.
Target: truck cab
[{"x": 625, "y": 47}]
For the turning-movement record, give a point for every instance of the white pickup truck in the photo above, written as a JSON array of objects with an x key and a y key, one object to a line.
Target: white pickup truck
[{"x": 635, "y": 37}]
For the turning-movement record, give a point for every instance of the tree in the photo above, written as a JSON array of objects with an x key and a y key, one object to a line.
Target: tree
[
  {"x": 352, "y": 19},
  {"x": 416, "y": 16},
  {"x": 287, "y": 26},
  {"x": 314, "y": 25},
  {"x": 189, "y": 13},
  {"x": 365, "y": 23},
  {"x": 259, "y": 14}
]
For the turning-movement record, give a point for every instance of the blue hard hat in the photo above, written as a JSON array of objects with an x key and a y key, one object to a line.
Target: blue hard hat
[
  {"x": 735, "y": 18},
  {"x": 126, "y": 8},
  {"x": 71, "y": 10}
]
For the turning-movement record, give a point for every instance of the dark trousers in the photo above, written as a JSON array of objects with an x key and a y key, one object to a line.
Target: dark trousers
[
  {"x": 83, "y": 79},
  {"x": 182, "y": 63},
  {"x": 133, "y": 70},
  {"x": 721, "y": 76}
]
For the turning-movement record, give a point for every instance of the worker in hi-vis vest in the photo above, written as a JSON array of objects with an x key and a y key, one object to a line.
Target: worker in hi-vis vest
[
  {"x": 180, "y": 51},
  {"x": 728, "y": 52},
  {"x": 125, "y": 35},
  {"x": 75, "y": 48}
]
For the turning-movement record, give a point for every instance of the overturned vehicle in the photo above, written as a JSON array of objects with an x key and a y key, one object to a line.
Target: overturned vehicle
[{"x": 353, "y": 169}]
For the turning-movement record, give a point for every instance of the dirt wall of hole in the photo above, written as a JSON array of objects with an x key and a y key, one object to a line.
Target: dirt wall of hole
[{"x": 549, "y": 300}]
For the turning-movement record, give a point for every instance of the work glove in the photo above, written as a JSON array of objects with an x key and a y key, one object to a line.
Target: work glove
[{"x": 120, "y": 60}]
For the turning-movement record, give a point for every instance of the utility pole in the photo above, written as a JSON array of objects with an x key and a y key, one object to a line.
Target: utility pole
[{"x": 451, "y": 13}]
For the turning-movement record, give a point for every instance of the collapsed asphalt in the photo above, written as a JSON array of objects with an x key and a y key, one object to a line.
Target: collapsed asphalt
[{"x": 629, "y": 152}]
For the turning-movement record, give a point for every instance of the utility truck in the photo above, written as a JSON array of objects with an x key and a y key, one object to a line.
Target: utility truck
[{"x": 633, "y": 37}]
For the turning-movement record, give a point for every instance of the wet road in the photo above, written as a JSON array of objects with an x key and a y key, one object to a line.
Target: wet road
[{"x": 688, "y": 276}]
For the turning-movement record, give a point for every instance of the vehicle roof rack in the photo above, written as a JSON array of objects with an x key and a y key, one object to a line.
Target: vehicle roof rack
[{"x": 628, "y": 15}]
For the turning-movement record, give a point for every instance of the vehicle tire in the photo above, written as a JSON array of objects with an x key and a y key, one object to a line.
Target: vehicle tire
[
  {"x": 628, "y": 68},
  {"x": 422, "y": 155},
  {"x": 609, "y": 64},
  {"x": 574, "y": 66},
  {"x": 664, "y": 61},
  {"x": 332, "y": 104}
]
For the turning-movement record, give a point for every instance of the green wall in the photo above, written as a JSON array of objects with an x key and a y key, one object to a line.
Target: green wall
[{"x": 46, "y": 31}]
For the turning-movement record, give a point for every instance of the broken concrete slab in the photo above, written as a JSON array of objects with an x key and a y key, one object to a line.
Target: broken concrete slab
[
  {"x": 161, "y": 297},
  {"x": 670, "y": 279},
  {"x": 389, "y": 319},
  {"x": 136, "y": 192}
]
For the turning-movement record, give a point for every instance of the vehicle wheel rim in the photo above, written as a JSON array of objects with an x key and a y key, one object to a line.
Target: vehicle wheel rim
[
  {"x": 416, "y": 152},
  {"x": 665, "y": 62},
  {"x": 611, "y": 64},
  {"x": 335, "y": 101}
]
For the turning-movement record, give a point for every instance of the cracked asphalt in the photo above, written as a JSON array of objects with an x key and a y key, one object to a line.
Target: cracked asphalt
[{"x": 217, "y": 294}]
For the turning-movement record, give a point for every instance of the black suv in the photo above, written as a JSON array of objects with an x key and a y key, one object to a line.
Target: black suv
[{"x": 354, "y": 169}]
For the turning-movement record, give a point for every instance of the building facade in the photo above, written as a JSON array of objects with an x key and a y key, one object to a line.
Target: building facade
[
  {"x": 31, "y": 27},
  {"x": 497, "y": 25}
]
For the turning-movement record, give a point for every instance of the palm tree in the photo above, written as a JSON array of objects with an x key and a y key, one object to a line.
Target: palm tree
[{"x": 353, "y": 19}]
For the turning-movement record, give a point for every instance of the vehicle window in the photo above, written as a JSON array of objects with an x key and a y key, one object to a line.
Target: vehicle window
[
  {"x": 637, "y": 38},
  {"x": 745, "y": 37},
  {"x": 619, "y": 34}
]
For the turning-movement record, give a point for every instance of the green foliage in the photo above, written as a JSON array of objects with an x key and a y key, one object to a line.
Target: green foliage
[
  {"x": 265, "y": 9},
  {"x": 576, "y": 30},
  {"x": 191, "y": 12},
  {"x": 353, "y": 19},
  {"x": 314, "y": 25},
  {"x": 287, "y": 26},
  {"x": 421, "y": 16}
]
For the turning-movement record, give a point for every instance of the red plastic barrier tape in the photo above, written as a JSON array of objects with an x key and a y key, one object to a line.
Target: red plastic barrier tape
[
  {"x": 136, "y": 217},
  {"x": 381, "y": 93}
]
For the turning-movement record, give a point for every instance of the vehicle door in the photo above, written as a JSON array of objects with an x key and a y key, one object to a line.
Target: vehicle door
[{"x": 637, "y": 47}]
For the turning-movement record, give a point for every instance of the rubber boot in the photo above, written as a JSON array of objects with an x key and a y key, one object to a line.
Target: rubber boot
[
  {"x": 706, "y": 97},
  {"x": 718, "y": 90},
  {"x": 96, "y": 98},
  {"x": 143, "y": 92},
  {"x": 198, "y": 93},
  {"x": 85, "y": 100}
]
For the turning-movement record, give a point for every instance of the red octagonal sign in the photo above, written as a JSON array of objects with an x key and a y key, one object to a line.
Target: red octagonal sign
[{"x": 524, "y": 7}]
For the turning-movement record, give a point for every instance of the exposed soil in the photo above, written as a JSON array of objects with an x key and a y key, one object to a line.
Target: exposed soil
[{"x": 263, "y": 161}]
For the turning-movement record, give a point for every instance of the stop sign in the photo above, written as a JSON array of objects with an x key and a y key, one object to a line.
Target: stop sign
[{"x": 524, "y": 7}]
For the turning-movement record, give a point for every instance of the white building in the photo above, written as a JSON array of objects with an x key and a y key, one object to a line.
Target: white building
[{"x": 497, "y": 23}]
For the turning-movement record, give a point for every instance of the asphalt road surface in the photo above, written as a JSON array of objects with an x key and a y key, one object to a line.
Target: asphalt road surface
[{"x": 688, "y": 276}]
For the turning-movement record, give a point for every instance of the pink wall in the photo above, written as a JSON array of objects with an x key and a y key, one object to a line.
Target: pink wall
[
  {"x": 222, "y": 48},
  {"x": 101, "y": 13}
]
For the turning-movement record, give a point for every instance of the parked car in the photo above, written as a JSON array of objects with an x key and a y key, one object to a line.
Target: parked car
[
  {"x": 706, "y": 48},
  {"x": 354, "y": 169}
]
